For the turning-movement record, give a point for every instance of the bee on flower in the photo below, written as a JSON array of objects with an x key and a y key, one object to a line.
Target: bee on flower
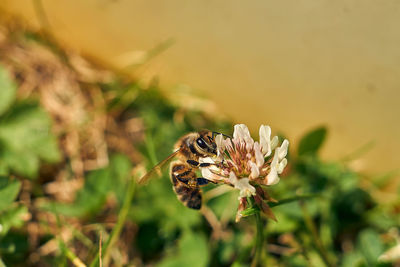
[{"x": 246, "y": 164}]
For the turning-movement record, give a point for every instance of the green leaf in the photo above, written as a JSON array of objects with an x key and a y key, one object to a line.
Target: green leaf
[
  {"x": 97, "y": 187},
  {"x": 14, "y": 247},
  {"x": 7, "y": 90},
  {"x": 353, "y": 259},
  {"x": 12, "y": 218},
  {"x": 225, "y": 204},
  {"x": 291, "y": 199},
  {"x": 9, "y": 190},
  {"x": 312, "y": 141},
  {"x": 285, "y": 223},
  {"x": 89, "y": 200},
  {"x": 250, "y": 211},
  {"x": 25, "y": 139},
  {"x": 370, "y": 245},
  {"x": 192, "y": 251}
]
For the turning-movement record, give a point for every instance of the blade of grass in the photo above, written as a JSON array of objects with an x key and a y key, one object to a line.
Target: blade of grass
[
  {"x": 152, "y": 53},
  {"x": 151, "y": 149},
  {"x": 2, "y": 263},
  {"x": 359, "y": 152},
  {"x": 107, "y": 247},
  {"x": 100, "y": 252},
  {"x": 70, "y": 255},
  {"x": 79, "y": 235},
  {"x": 315, "y": 237},
  {"x": 291, "y": 199},
  {"x": 41, "y": 14}
]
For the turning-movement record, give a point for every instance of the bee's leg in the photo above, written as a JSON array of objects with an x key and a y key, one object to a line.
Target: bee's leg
[
  {"x": 192, "y": 163},
  {"x": 203, "y": 181},
  {"x": 190, "y": 182},
  {"x": 197, "y": 164},
  {"x": 206, "y": 164},
  {"x": 188, "y": 178}
]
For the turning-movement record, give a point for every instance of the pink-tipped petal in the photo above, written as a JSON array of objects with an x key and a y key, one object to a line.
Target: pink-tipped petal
[
  {"x": 258, "y": 155},
  {"x": 219, "y": 141},
  {"x": 238, "y": 133}
]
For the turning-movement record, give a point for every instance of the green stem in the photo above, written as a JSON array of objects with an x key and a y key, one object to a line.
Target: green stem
[
  {"x": 2, "y": 263},
  {"x": 70, "y": 255},
  {"x": 315, "y": 237},
  {"x": 118, "y": 227},
  {"x": 259, "y": 237},
  {"x": 259, "y": 241},
  {"x": 41, "y": 14},
  {"x": 151, "y": 149}
]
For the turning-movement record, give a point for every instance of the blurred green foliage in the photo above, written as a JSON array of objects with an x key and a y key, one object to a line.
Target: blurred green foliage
[
  {"x": 98, "y": 185},
  {"x": 25, "y": 137},
  {"x": 325, "y": 218}
]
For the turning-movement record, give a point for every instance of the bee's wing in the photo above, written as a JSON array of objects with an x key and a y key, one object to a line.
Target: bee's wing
[{"x": 157, "y": 168}]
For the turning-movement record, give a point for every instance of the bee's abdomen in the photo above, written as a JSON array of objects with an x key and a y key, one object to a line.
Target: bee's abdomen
[{"x": 181, "y": 175}]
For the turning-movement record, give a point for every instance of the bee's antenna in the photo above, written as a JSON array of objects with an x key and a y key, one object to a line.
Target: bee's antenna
[{"x": 217, "y": 133}]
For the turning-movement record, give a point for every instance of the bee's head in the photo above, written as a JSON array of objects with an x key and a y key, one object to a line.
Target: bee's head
[{"x": 205, "y": 143}]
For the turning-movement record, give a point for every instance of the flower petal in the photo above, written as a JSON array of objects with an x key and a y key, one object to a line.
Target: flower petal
[
  {"x": 242, "y": 184},
  {"x": 283, "y": 149},
  {"x": 272, "y": 177},
  {"x": 237, "y": 133},
  {"x": 245, "y": 188},
  {"x": 265, "y": 140},
  {"x": 274, "y": 142},
  {"x": 219, "y": 141},
  {"x": 258, "y": 155},
  {"x": 209, "y": 175},
  {"x": 275, "y": 159},
  {"x": 228, "y": 144},
  {"x": 255, "y": 171},
  {"x": 232, "y": 178},
  {"x": 282, "y": 166},
  {"x": 247, "y": 138},
  {"x": 212, "y": 161},
  {"x": 241, "y": 135}
]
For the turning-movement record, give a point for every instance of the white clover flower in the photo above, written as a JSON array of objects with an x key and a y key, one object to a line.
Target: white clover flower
[
  {"x": 247, "y": 158},
  {"x": 249, "y": 163}
]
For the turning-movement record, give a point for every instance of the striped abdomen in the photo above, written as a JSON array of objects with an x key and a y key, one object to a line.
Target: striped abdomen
[{"x": 185, "y": 185}]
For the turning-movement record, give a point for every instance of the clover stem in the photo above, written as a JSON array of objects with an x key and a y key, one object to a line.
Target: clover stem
[
  {"x": 122, "y": 216},
  {"x": 259, "y": 238},
  {"x": 314, "y": 234}
]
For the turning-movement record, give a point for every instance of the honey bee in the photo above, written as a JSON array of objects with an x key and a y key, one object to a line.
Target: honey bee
[{"x": 189, "y": 149}]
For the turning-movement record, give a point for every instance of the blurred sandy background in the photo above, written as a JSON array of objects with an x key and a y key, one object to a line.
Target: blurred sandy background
[{"x": 290, "y": 64}]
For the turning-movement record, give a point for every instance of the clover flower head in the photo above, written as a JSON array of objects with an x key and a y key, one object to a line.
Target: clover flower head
[{"x": 246, "y": 164}]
